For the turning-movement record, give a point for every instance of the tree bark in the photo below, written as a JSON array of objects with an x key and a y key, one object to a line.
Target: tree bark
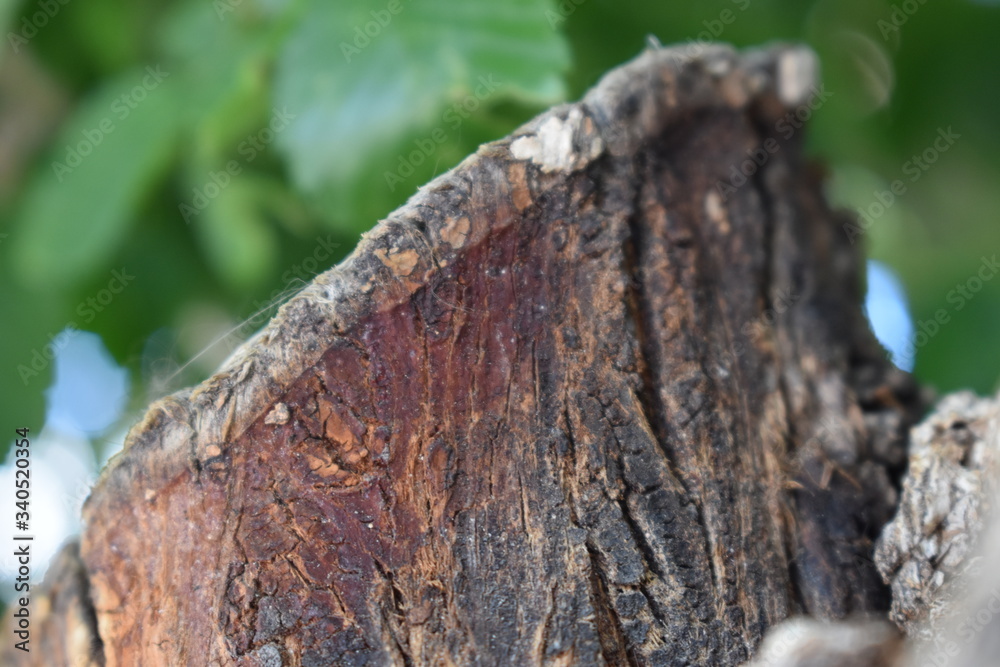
[
  {"x": 937, "y": 554},
  {"x": 587, "y": 399}
]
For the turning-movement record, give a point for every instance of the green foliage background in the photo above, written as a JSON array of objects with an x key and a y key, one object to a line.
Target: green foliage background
[{"x": 231, "y": 65}]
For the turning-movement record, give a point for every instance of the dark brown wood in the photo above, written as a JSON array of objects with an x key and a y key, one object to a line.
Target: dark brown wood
[
  {"x": 574, "y": 404},
  {"x": 938, "y": 553}
]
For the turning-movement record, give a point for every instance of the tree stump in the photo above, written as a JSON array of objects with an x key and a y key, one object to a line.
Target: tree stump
[{"x": 590, "y": 398}]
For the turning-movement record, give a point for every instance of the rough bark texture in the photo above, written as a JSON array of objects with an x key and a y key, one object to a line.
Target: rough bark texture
[
  {"x": 572, "y": 404},
  {"x": 949, "y": 491},
  {"x": 939, "y": 553}
]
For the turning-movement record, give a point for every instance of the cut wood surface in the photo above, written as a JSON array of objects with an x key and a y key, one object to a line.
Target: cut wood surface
[{"x": 574, "y": 404}]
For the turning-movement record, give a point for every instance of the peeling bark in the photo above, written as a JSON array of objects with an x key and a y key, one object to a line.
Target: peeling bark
[{"x": 573, "y": 404}]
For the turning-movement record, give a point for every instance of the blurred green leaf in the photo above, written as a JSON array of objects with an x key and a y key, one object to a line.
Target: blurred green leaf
[
  {"x": 27, "y": 330},
  {"x": 222, "y": 65},
  {"x": 7, "y": 12},
  {"x": 239, "y": 243},
  {"x": 110, "y": 30},
  {"x": 80, "y": 202},
  {"x": 362, "y": 79}
]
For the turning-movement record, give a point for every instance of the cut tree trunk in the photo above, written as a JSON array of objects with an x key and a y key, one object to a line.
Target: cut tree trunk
[{"x": 603, "y": 394}]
